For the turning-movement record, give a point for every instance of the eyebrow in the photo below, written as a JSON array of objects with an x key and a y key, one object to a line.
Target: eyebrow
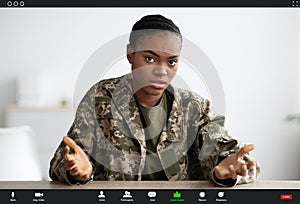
[{"x": 157, "y": 55}]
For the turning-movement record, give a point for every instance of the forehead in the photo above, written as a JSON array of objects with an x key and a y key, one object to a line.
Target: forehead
[{"x": 163, "y": 41}]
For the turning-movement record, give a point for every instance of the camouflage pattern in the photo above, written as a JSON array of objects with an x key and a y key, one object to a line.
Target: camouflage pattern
[{"x": 108, "y": 128}]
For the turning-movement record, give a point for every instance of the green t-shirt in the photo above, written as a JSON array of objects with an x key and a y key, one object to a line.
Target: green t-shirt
[{"x": 154, "y": 120}]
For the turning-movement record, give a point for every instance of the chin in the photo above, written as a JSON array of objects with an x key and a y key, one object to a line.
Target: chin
[{"x": 154, "y": 92}]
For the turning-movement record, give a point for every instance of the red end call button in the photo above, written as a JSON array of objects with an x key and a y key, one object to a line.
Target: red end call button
[{"x": 286, "y": 197}]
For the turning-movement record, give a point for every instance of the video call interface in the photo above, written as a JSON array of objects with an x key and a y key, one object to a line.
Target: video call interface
[{"x": 149, "y": 102}]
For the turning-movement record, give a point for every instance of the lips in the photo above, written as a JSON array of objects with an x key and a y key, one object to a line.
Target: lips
[{"x": 158, "y": 84}]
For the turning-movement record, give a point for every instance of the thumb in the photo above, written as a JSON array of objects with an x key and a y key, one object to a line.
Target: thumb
[
  {"x": 66, "y": 154},
  {"x": 71, "y": 143},
  {"x": 66, "y": 150},
  {"x": 244, "y": 150}
]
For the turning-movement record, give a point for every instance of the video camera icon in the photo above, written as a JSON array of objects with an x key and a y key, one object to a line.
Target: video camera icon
[{"x": 38, "y": 195}]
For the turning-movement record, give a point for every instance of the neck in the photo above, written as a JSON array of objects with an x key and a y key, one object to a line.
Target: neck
[{"x": 147, "y": 100}]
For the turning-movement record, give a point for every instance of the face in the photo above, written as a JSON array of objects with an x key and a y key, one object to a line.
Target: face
[{"x": 154, "y": 61}]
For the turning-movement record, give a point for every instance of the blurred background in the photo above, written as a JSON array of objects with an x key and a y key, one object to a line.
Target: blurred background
[{"x": 256, "y": 53}]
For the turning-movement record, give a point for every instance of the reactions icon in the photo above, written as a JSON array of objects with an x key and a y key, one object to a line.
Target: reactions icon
[{"x": 221, "y": 194}]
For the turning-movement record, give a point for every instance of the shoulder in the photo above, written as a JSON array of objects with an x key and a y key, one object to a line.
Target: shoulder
[
  {"x": 106, "y": 87},
  {"x": 109, "y": 84},
  {"x": 191, "y": 101},
  {"x": 98, "y": 97},
  {"x": 187, "y": 96},
  {"x": 101, "y": 91}
]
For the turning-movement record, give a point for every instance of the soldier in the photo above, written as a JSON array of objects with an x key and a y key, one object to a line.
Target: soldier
[{"x": 139, "y": 127}]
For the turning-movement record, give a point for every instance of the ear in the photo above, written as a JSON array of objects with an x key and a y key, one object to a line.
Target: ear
[{"x": 129, "y": 53}]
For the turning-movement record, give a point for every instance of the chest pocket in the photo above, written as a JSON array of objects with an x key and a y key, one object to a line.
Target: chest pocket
[{"x": 113, "y": 127}]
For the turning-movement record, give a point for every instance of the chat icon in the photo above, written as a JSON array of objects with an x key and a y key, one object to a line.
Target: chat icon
[{"x": 151, "y": 194}]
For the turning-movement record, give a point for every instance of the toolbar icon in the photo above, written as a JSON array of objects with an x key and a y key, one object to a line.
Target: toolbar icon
[
  {"x": 101, "y": 195},
  {"x": 286, "y": 197},
  {"x": 127, "y": 194},
  {"x": 221, "y": 194},
  {"x": 202, "y": 194},
  {"x": 176, "y": 195},
  {"x": 151, "y": 194},
  {"x": 13, "y": 197},
  {"x": 38, "y": 195}
]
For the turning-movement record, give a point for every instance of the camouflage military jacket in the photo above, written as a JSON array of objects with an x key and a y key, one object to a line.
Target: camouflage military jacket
[{"x": 108, "y": 128}]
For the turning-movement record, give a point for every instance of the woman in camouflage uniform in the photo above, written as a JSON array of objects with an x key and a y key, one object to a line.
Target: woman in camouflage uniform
[{"x": 139, "y": 127}]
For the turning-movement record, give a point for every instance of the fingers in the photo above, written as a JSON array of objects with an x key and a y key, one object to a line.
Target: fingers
[
  {"x": 77, "y": 163},
  {"x": 232, "y": 171},
  {"x": 74, "y": 172},
  {"x": 235, "y": 165},
  {"x": 250, "y": 164},
  {"x": 70, "y": 165},
  {"x": 73, "y": 169},
  {"x": 65, "y": 153},
  {"x": 66, "y": 150},
  {"x": 225, "y": 173},
  {"x": 69, "y": 142},
  {"x": 245, "y": 150},
  {"x": 243, "y": 170},
  {"x": 218, "y": 172}
]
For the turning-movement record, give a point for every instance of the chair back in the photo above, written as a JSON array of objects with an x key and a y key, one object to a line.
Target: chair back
[{"x": 18, "y": 155}]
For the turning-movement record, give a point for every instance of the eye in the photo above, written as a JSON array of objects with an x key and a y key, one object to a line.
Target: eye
[
  {"x": 149, "y": 59},
  {"x": 172, "y": 63}
]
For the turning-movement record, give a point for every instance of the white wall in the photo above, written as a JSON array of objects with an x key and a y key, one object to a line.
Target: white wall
[
  {"x": 255, "y": 51},
  {"x": 298, "y": 57}
]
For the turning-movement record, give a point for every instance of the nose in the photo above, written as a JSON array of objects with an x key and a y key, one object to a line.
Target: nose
[{"x": 160, "y": 71}]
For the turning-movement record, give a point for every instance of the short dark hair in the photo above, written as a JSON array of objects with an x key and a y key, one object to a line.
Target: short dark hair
[{"x": 154, "y": 22}]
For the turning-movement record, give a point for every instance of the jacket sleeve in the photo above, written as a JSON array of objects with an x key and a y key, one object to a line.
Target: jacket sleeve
[
  {"x": 215, "y": 144},
  {"x": 82, "y": 132}
]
